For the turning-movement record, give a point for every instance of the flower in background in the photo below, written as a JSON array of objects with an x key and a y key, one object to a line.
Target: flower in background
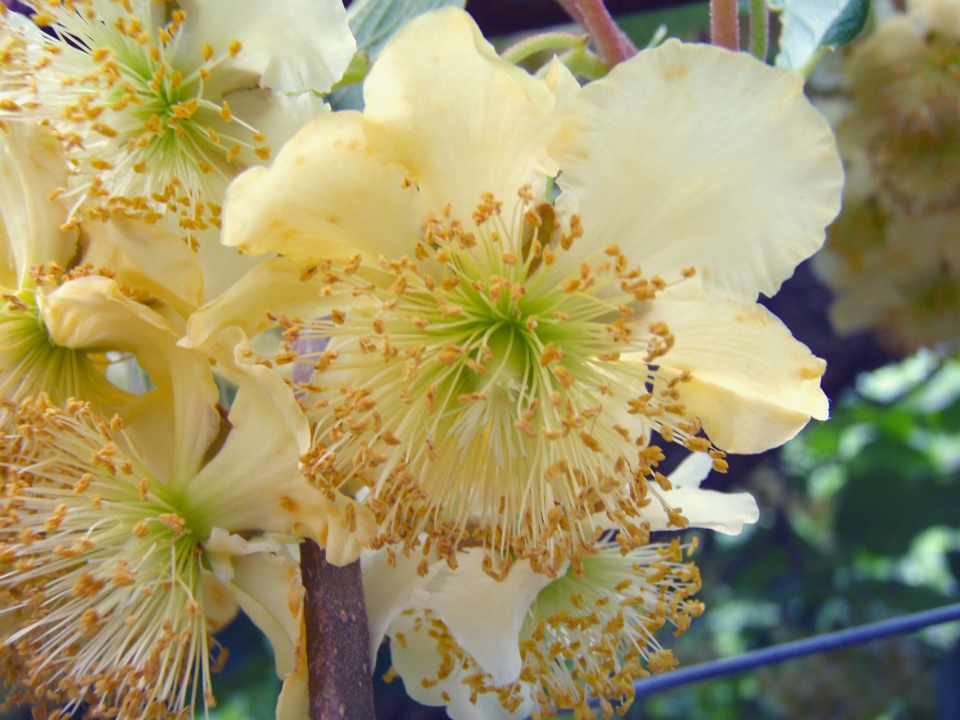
[
  {"x": 903, "y": 82},
  {"x": 905, "y": 286},
  {"x": 116, "y": 537},
  {"x": 892, "y": 256},
  {"x": 159, "y": 105},
  {"x": 495, "y": 365}
]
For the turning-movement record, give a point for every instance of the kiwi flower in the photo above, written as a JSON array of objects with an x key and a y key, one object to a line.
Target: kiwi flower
[
  {"x": 893, "y": 256},
  {"x": 535, "y": 645},
  {"x": 495, "y": 364},
  {"x": 113, "y": 537},
  {"x": 903, "y": 120},
  {"x": 40, "y": 263},
  {"x": 159, "y": 105}
]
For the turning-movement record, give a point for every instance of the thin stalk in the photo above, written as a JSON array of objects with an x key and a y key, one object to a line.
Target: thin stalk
[
  {"x": 612, "y": 43},
  {"x": 725, "y": 24},
  {"x": 573, "y": 10},
  {"x": 544, "y": 41},
  {"x": 338, "y": 638},
  {"x": 759, "y": 28},
  {"x": 810, "y": 65}
]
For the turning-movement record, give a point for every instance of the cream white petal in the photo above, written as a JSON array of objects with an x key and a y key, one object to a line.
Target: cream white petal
[
  {"x": 485, "y": 615},
  {"x": 277, "y": 115},
  {"x": 92, "y": 313},
  {"x": 562, "y": 83},
  {"x": 692, "y": 471},
  {"x": 254, "y": 480},
  {"x": 221, "y": 547},
  {"x": 268, "y": 588},
  {"x": 219, "y": 603},
  {"x": 151, "y": 426},
  {"x": 724, "y": 512},
  {"x": 754, "y": 386},
  {"x": 32, "y": 166},
  {"x": 717, "y": 162},
  {"x": 146, "y": 256},
  {"x": 388, "y": 590},
  {"x": 291, "y": 46},
  {"x": 325, "y": 196},
  {"x": 260, "y": 474},
  {"x": 342, "y": 540},
  {"x": 463, "y": 122},
  {"x": 294, "y": 700},
  {"x": 274, "y": 285},
  {"x": 8, "y": 261},
  {"x": 222, "y": 266},
  {"x": 420, "y": 660},
  {"x": 242, "y": 485}
]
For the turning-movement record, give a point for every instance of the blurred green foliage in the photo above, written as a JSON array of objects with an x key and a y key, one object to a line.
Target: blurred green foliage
[{"x": 860, "y": 521}]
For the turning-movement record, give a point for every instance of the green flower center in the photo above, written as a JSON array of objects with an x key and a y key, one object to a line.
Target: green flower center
[
  {"x": 97, "y": 538},
  {"x": 134, "y": 114},
  {"x": 492, "y": 383},
  {"x": 31, "y": 363}
]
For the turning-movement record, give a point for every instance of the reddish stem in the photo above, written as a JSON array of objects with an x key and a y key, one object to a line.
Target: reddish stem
[
  {"x": 612, "y": 43},
  {"x": 725, "y": 24},
  {"x": 573, "y": 10}
]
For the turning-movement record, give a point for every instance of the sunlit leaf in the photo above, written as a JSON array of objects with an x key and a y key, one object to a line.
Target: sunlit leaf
[
  {"x": 374, "y": 22},
  {"x": 811, "y": 24}
]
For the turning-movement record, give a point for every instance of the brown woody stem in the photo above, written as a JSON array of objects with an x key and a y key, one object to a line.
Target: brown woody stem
[
  {"x": 725, "y": 24},
  {"x": 612, "y": 43},
  {"x": 338, "y": 638}
]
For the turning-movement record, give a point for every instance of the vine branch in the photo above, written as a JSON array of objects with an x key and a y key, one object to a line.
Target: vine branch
[{"x": 338, "y": 638}]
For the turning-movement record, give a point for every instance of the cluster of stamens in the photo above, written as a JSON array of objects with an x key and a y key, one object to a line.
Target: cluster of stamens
[
  {"x": 589, "y": 634},
  {"x": 99, "y": 572},
  {"x": 480, "y": 398},
  {"x": 142, "y": 136}
]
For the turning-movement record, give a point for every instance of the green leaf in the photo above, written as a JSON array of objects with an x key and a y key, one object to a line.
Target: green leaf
[
  {"x": 848, "y": 24},
  {"x": 374, "y": 22},
  {"x": 809, "y": 25},
  {"x": 892, "y": 495}
]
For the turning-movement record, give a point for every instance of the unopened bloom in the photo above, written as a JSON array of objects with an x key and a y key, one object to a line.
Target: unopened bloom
[
  {"x": 159, "y": 105},
  {"x": 496, "y": 363},
  {"x": 109, "y": 530}
]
